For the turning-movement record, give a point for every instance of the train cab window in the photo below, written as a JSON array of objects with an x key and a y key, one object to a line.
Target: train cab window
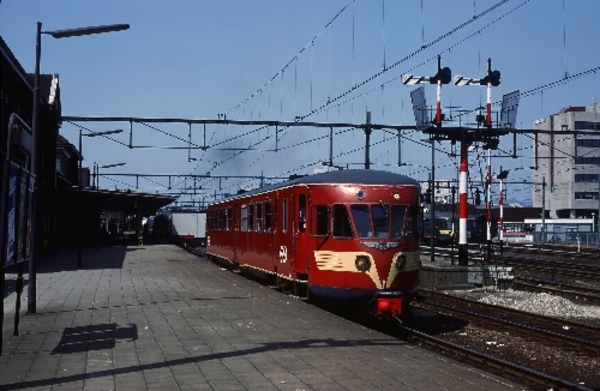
[
  {"x": 284, "y": 215},
  {"x": 302, "y": 212},
  {"x": 362, "y": 220},
  {"x": 412, "y": 218},
  {"x": 244, "y": 217},
  {"x": 397, "y": 220},
  {"x": 341, "y": 222},
  {"x": 380, "y": 215},
  {"x": 259, "y": 217},
  {"x": 320, "y": 220},
  {"x": 267, "y": 216},
  {"x": 250, "y": 217}
]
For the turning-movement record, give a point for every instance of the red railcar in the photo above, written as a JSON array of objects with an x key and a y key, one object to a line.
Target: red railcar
[{"x": 341, "y": 235}]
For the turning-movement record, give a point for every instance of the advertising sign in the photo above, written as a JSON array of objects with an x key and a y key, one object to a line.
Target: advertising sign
[
  {"x": 11, "y": 209},
  {"x": 19, "y": 207}
]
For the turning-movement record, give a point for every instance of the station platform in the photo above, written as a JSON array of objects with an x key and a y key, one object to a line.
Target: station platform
[{"x": 156, "y": 317}]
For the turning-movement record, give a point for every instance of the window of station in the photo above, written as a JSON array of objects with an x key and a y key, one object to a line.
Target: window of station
[
  {"x": 588, "y": 142},
  {"x": 586, "y": 195},
  {"x": 259, "y": 217},
  {"x": 587, "y": 125},
  {"x": 586, "y": 177},
  {"x": 341, "y": 222},
  {"x": 587, "y": 160}
]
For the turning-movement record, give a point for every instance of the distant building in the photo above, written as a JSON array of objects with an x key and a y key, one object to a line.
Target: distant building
[{"x": 569, "y": 164}]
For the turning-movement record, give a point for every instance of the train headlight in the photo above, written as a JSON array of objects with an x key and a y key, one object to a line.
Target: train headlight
[
  {"x": 363, "y": 263},
  {"x": 401, "y": 262}
]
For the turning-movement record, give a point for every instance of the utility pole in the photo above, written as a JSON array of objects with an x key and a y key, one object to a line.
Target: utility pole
[{"x": 368, "y": 131}]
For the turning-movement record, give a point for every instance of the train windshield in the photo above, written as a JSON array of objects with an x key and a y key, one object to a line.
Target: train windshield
[{"x": 379, "y": 220}]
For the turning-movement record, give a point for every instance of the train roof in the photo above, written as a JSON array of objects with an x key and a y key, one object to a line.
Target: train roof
[{"x": 363, "y": 177}]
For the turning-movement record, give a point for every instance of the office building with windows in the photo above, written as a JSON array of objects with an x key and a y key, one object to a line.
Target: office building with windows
[{"x": 567, "y": 163}]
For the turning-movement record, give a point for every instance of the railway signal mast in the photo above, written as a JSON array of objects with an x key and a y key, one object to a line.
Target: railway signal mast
[
  {"x": 443, "y": 76},
  {"x": 492, "y": 79},
  {"x": 490, "y": 137}
]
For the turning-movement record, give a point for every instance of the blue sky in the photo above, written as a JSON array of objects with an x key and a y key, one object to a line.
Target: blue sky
[{"x": 275, "y": 60}]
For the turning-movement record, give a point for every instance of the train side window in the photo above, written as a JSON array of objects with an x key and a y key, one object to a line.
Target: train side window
[
  {"x": 397, "y": 222},
  {"x": 250, "y": 217},
  {"x": 320, "y": 220},
  {"x": 341, "y": 221},
  {"x": 302, "y": 212},
  {"x": 244, "y": 217},
  {"x": 362, "y": 220},
  {"x": 228, "y": 221},
  {"x": 267, "y": 216},
  {"x": 237, "y": 215},
  {"x": 259, "y": 216},
  {"x": 284, "y": 215},
  {"x": 220, "y": 220}
]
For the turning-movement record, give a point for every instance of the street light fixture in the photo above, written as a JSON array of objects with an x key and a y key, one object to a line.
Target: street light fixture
[
  {"x": 98, "y": 167},
  {"x": 31, "y": 287},
  {"x": 79, "y": 202}
]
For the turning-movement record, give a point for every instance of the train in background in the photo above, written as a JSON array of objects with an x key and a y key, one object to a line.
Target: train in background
[
  {"x": 348, "y": 236},
  {"x": 446, "y": 232},
  {"x": 189, "y": 227}
]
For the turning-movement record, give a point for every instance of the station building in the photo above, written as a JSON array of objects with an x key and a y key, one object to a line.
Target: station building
[
  {"x": 55, "y": 179},
  {"x": 566, "y": 172}
]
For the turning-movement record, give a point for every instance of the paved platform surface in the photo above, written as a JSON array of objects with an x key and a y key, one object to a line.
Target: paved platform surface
[{"x": 156, "y": 317}]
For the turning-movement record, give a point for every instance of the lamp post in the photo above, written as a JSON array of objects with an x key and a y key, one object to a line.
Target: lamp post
[
  {"x": 98, "y": 167},
  {"x": 31, "y": 303},
  {"x": 79, "y": 203}
]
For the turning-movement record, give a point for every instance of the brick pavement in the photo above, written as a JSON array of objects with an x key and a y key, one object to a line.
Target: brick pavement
[{"x": 156, "y": 317}]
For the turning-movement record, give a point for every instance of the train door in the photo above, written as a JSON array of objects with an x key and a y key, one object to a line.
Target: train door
[
  {"x": 235, "y": 229},
  {"x": 285, "y": 232},
  {"x": 301, "y": 232},
  {"x": 270, "y": 223}
]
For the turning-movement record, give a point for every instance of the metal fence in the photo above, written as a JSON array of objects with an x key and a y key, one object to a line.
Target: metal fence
[{"x": 568, "y": 238}]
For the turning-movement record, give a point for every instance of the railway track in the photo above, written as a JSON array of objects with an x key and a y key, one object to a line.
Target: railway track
[
  {"x": 508, "y": 368},
  {"x": 568, "y": 334},
  {"x": 564, "y": 289}
]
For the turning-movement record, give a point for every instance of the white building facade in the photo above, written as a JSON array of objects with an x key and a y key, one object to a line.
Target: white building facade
[{"x": 568, "y": 164}]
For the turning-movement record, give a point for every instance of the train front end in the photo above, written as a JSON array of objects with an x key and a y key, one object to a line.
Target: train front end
[{"x": 366, "y": 244}]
